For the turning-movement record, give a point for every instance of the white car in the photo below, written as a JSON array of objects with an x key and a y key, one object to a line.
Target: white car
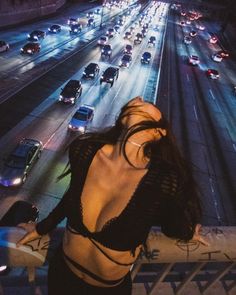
[
  {"x": 81, "y": 118},
  {"x": 103, "y": 40},
  {"x": 194, "y": 60},
  {"x": 217, "y": 57},
  {"x": 4, "y": 46}
]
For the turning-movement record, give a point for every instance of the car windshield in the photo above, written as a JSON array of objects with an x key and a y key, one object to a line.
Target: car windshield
[
  {"x": 80, "y": 116},
  {"x": 103, "y": 38},
  {"x": 147, "y": 55},
  {"x": 15, "y": 162},
  {"x": 126, "y": 58}
]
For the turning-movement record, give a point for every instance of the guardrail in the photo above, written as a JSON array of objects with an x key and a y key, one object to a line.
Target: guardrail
[{"x": 161, "y": 251}]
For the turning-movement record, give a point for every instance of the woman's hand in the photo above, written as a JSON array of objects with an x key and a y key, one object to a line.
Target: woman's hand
[
  {"x": 30, "y": 235},
  {"x": 197, "y": 236}
]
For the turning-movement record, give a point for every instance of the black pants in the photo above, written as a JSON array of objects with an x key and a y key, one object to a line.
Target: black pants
[{"x": 62, "y": 281}]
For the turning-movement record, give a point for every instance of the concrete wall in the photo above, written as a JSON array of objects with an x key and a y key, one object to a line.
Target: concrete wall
[{"x": 18, "y": 11}]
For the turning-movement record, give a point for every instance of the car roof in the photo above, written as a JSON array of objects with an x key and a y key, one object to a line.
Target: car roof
[
  {"x": 24, "y": 147},
  {"x": 92, "y": 65},
  {"x": 147, "y": 53},
  {"x": 111, "y": 69},
  {"x": 73, "y": 83}
]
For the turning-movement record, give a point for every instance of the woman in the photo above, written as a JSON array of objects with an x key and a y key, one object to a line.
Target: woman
[{"x": 123, "y": 181}]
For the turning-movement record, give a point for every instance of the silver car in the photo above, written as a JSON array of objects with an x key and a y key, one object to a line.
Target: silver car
[{"x": 18, "y": 164}]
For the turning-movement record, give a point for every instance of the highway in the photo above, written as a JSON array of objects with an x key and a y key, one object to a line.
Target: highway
[{"x": 201, "y": 110}]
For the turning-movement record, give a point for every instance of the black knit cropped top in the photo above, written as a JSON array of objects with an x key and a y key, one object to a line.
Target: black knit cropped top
[{"x": 153, "y": 203}]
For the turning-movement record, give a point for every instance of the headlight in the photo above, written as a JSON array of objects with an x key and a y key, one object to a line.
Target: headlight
[
  {"x": 102, "y": 50},
  {"x": 84, "y": 73},
  {"x": 49, "y": 29},
  {"x": 120, "y": 63},
  {"x": 102, "y": 77},
  {"x": 91, "y": 75},
  {"x": 81, "y": 129},
  {"x": 29, "y": 50},
  {"x": 70, "y": 126},
  {"x": 28, "y": 35},
  {"x": 16, "y": 181},
  {"x": 148, "y": 59},
  {"x": 60, "y": 98},
  {"x": 111, "y": 79},
  {"x": 21, "y": 49},
  {"x": 109, "y": 51},
  {"x": 75, "y": 30},
  {"x": 54, "y": 31}
]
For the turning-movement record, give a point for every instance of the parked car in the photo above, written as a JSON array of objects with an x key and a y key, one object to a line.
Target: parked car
[
  {"x": 4, "y": 46},
  {"x": 91, "y": 71},
  {"x": 54, "y": 29},
  {"x": 20, "y": 161},
  {"x": 106, "y": 50},
  {"x": 81, "y": 118},
  {"x": 213, "y": 74},
  {"x": 103, "y": 40},
  {"x": 194, "y": 60},
  {"x": 36, "y": 35},
  {"x": 75, "y": 29},
  {"x": 125, "y": 61},
  {"x": 128, "y": 49},
  {"x": 31, "y": 48},
  {"x": 146, "y": 58},
  {"x": 71, "y": 92},
  {"x": 110, "y": 75}
]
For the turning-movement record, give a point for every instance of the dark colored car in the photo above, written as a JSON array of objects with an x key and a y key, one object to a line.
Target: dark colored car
[
  {"x": 125, "y": 61},
  {"x": 128, "y": 49},
  {"x": 91, "y": 71},
  {"x": 36, "y": 35},
  {"x": 138, "y": 38},
  {"x": 75, "y": 29},
  {"x": 19, "y": 163},
  {"x": 31, "y": 48},
  {"x": 91, "y": 22},
  {"x": 152, "y": 41},
  {"x": 110, "y": 33},
  {"x": 71, "y": 92},
  {"x": 213, "y": 74},
  {"x": 110, "y": 75},
  {"x": 106, "y": 50},
  {"x": 55, "y": 29},
  {"x": 144, "y": 32},
  {"x": 72, "y": 21},
  {"x": 4, "y": 46},
  {"x": 127, "y": 35},
  {"x": 146, "y": 57},
  {"x": 90, "y": 14}
]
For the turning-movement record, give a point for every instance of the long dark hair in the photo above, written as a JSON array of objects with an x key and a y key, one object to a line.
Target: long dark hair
[{"x": 163, "y": 152}]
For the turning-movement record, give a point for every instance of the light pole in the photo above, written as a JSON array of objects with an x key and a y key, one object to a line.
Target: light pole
[{"x": 101, "y": 23}]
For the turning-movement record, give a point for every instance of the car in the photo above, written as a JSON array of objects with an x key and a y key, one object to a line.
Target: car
[
  {"x": 193, "y": 33},
  {"x": 152, "y": 41},
  {"x": 213, "y": 74},
  {"x": 110, "y": 33},
  {"x": 91, "y": 71},
  {"x": 90, "y": 14},
  {"x": 81, "y": 118},
  {"x": 71, "y": 92},
  {"x": 110, "y": 75},
  {"x": 91, "y": 22},
  {"x": 103, "y": 40},
  {"x": 223, "y": 53},
  {"x": 217, "y": 57},
  {"x": 75, "y": 29},
  {"x": 19, "y": 162},
  {"x": 4, "y": 46},
  {"x": 72, "y": 21},
  {"x": 146, "y": 57},
  {"x": 187, "y": 40},
  {"x": 128, "y": 49},
  {"x": 138, "y": 38},
  {"x": 125, "y": 61},
  {"x": 36, "y": 35},
  {"x": 54, "y": 29},
  {"x": 98, "y": 11},
  {"x": 201, "y": 27},
  {"x": 30, "y": 48},
  {"x": 127, "y": 35},
  {"x": 144, "y": 32},
  {"x": 106, "y": 50},
  {"x": 213, "y": 39},
  {"x": 182, "y": 23},
  {"x": 194, "y": 60},
  {"x": 117, "y": 29}
]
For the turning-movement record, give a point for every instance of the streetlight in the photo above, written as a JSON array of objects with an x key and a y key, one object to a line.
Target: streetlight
[{"x": 103, "y": 4}]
